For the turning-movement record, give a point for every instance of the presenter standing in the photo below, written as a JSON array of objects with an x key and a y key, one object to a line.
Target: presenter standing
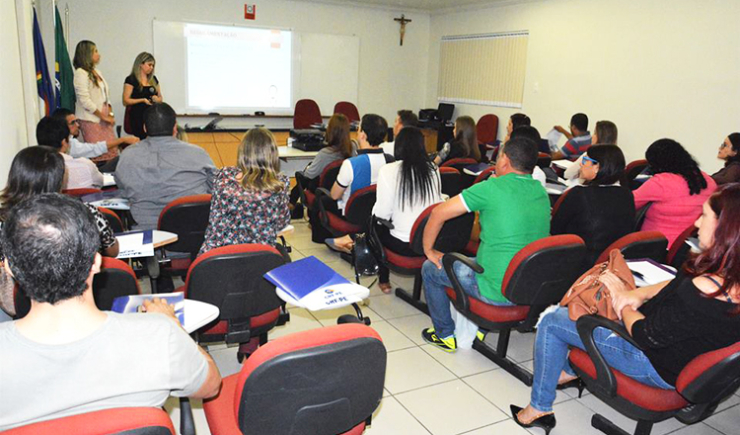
[
  {"x": 140, "y": 90},
  {"x": 93, "y": 111}
]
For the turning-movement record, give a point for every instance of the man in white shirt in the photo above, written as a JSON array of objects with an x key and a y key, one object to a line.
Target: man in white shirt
[
  {"x": 66, "y": 357},
  {"x": 404, "y": 118},
  {"x": 81, "y": 172},
  {"x": 88, "y": 150}
]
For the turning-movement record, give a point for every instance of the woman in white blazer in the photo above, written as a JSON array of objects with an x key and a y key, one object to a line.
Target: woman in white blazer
[{"x": 93, "y": 110}]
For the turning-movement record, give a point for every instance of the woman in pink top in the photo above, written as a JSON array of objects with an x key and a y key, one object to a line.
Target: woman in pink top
[{"x": 677, "y": 190}]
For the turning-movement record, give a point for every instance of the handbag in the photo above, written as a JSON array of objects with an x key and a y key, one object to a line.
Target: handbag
[{"x": 589, "y": 296}]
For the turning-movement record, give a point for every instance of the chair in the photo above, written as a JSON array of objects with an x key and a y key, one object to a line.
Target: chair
[
  {"x": 544, "y": 160},
  {"x": 702, "y": 384},
  {"x": 452, "y": 237},
  {"x": 485, "y": 175},
  {"x": 680, "y": 249},
  {"x": 451, "y": 180},
  {"x": 459, "y": 163},
  {"x": 188, "y": 218},
  {"x": 326, "y": 180},
  {"x": 231, "y": 278},
  {"x": 537, "y": 277},
  {"x": 357, "y": 212},
  {"x": 307, "y": 113},
  {"x": 127, "y": 121},
  {"x": 640, "y": 215},
  {"x": 347, "y": 109},
  {"x": 325, "y": 381},
  {"x": 116, "y": 278},
  {"x": 559, "y": 202},
  {"x": 114, "y": 221},
  {"x": 81, "y": 192},
  {"x": 487, "y": 129},
  {"x": 122, "y": 421},
  {"x": 632, "y": 170},
  {"x": 640, "y": 244}
]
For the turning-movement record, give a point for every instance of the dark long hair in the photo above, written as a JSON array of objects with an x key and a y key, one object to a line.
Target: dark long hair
[
  {"x": 723, "y": 257},
  {"x": 611, "y": 164},
  {"x": 35, "y": 170},
  {"x": 419, "y": 179},
  {"x": 735, "y": 143},
  {"x": 667, "y": 155}
]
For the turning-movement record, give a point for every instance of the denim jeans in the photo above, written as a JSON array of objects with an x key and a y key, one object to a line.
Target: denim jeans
[
  {"x": 435, "y": 281},
  {"x": 556, "y": 332}
]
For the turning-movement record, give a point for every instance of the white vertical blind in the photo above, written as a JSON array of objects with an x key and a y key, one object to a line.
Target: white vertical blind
[{"x": 483, "y": 69}]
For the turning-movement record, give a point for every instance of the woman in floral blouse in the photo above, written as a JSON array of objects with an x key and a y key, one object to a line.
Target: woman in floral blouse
[{"x": 250, "y": 201}]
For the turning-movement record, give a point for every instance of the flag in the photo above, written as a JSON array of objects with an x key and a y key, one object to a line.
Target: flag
[
  {"x": 63, "y": 73},
  {"x": 43, "y": 81}
]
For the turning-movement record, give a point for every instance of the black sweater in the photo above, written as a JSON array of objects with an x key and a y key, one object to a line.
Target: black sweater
[
  {"x": 680, "y": 324},
  {"x": 598, "y": 214}
]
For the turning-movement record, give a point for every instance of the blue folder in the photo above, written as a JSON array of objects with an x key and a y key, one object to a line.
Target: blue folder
[{"x": 302, "y": 277}]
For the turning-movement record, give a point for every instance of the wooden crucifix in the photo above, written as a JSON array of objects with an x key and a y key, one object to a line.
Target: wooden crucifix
[{"x": 402, "y": 21}]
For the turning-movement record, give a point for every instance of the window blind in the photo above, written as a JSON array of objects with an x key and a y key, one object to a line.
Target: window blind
[{"x": 483, "y": 69}]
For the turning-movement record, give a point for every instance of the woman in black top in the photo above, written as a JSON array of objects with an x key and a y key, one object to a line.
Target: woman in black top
[
  {"x": 140, "y": 90},
  {"x": 464, "y": 145},
  {"x": 729, "y": 151},
  {"x": 673, "y": 322},
  {"x": 601, "y": 211}
]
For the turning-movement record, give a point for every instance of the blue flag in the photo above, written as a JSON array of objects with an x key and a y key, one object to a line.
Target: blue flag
[{"x": 43, "y": 80}]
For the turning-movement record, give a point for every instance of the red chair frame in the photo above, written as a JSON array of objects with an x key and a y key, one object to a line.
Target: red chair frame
[
  {"x": 347, "y": 109},
  {"x": 307, "y": 113},
  {"x": 131, "y": 421},
  {"x": 640, "y": 244}
]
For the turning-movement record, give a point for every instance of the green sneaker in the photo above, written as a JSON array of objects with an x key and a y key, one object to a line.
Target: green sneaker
[
  {"x": 480, "y": 335},
  {"x": 446, "y": 344}
]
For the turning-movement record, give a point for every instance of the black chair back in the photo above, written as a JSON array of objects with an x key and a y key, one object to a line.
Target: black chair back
[
  {"x": 453, "y": 237},
  {"x": 359, "y": 207},
  {"x": 188, "y": 218},
  {"x": 116, "y": 278},
  {"x": 451, "y": 181}
]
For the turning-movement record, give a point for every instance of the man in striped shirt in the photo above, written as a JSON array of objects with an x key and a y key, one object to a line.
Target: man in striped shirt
[{"x": 579, "y": 138}]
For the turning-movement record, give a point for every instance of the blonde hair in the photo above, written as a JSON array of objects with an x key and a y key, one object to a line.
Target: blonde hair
[
  {"x": 258, "y": 161},
  {"x": 142, "y": 58},
  {"x": 84, "y": 59}
]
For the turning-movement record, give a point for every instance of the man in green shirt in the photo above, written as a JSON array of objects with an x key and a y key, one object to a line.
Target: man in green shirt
[{"x": 514, "y": 211}]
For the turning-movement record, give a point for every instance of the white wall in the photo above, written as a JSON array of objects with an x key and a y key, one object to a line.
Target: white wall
[
  {"x": 391, "y": 77},
  {"x": 658, "y": 68},
  {"x": 14, "y": 106}
]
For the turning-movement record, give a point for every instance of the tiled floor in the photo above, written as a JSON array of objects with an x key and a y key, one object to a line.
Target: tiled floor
[{"x": 432, "y": 392}]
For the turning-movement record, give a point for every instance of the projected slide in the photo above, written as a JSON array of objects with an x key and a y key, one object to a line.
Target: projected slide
[{"x": 233, "y": 67}]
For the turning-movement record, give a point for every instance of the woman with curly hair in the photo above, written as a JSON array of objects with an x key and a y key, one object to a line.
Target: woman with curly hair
[
  {"x": 677, "y": 190},
  {"x": 729, "y": 151}
]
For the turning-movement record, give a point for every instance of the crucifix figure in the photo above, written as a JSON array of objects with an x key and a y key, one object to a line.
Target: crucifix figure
[{"x": 402, "y": 21}]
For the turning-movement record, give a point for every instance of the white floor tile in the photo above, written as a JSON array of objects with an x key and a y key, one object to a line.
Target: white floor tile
[
  {"x": 322, "y": 253},
  {"x": 225, "y": 359},
  {"x": 506, "y": 427},
  {"x": 521, "y": 346},
  {"x": 300, "y": 320},
  {"x": 329, "y": 317},
  {"x": 503, "y": 389},
  {"x": 450, "y": 408},
  {"x": 392, "y": 337},
  {"x": 391, "y": 307},
  {"x": 698, "y": 429},
  {"x": 411, "y": 326},
  {"x": 413, "y": 368},
  {"x": 727, "y": 421},
  {"x": 596, "y": 405},
  {"x": 464, "y": 362},
  {"x": 391, "y": 418},
  {"x": 572, "y": 418}
]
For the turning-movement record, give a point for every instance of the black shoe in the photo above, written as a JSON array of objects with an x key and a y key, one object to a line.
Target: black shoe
[
  {"x": 546, "y": 421},
  {"x": 577, "y": 383}
]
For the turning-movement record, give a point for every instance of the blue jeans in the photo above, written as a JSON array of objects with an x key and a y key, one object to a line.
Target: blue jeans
[
  {"x": 556, "y": 332},
  {"x": 435, "y": 281}
]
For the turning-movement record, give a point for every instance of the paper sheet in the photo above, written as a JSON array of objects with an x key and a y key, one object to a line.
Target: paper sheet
[
  {"x": 652, "y": 272},
  {"x": 132, "y": 245},
  {"x": 553, "y": 139}
]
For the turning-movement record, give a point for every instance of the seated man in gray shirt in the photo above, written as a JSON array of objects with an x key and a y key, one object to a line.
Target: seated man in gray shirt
[
  {"x": 67, "y": 357},
  {"x": 160, "y": 169}
]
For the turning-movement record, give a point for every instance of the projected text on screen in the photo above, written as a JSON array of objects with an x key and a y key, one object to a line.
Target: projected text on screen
[{"x": 236, "y": 67}]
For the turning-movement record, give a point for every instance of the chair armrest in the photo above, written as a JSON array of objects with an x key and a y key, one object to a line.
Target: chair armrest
[
  {"x": 448, "y": 261},
  {"x": 320, "y": 193},
  {"x": 386, "y": 223},
  {"x": 605, "y": 379}
]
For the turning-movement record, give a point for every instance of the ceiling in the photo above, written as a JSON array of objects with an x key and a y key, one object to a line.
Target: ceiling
[{"x": 422, "y": 5}]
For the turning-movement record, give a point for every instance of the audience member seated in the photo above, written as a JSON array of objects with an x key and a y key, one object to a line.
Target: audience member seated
[
  {"x": 81, "y": 172},
  {"x": 531, "y": 133},
  {"x": 672, "y": 322},
  {"x": 85, "y": 149},
  {"x": 339, "y": 146},
  {"x": 579, "y": 138},
  {"x": 404, "y": 118},
  {"x": 250, "y": 201},
  {"x": 676, "y": 191},
  {"x": 161, "y": 168},
  {"x": 515, "y": 121},
  {"x": 729, "y": 152},
  {"x": 358, "y": 172},
  {"x": 600, "y": 211},
  {"x": 81, "y": 358},
  {"x": 514, "y": 211},
  {"x": 405, "y": 189},
  {"x": 605, "y": 133},
  {"x": 464, "y": 145}
]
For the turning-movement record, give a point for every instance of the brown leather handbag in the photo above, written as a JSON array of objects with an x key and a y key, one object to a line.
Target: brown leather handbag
[{"x": 589, "y": 296}]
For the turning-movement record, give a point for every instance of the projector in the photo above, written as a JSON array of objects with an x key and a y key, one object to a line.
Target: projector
[{"x": 307, "y": 139}]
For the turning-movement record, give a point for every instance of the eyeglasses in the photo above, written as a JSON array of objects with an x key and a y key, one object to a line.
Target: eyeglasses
[
  {"x": 589, "y": 159},
  {"x": 74, "y": 121}
]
